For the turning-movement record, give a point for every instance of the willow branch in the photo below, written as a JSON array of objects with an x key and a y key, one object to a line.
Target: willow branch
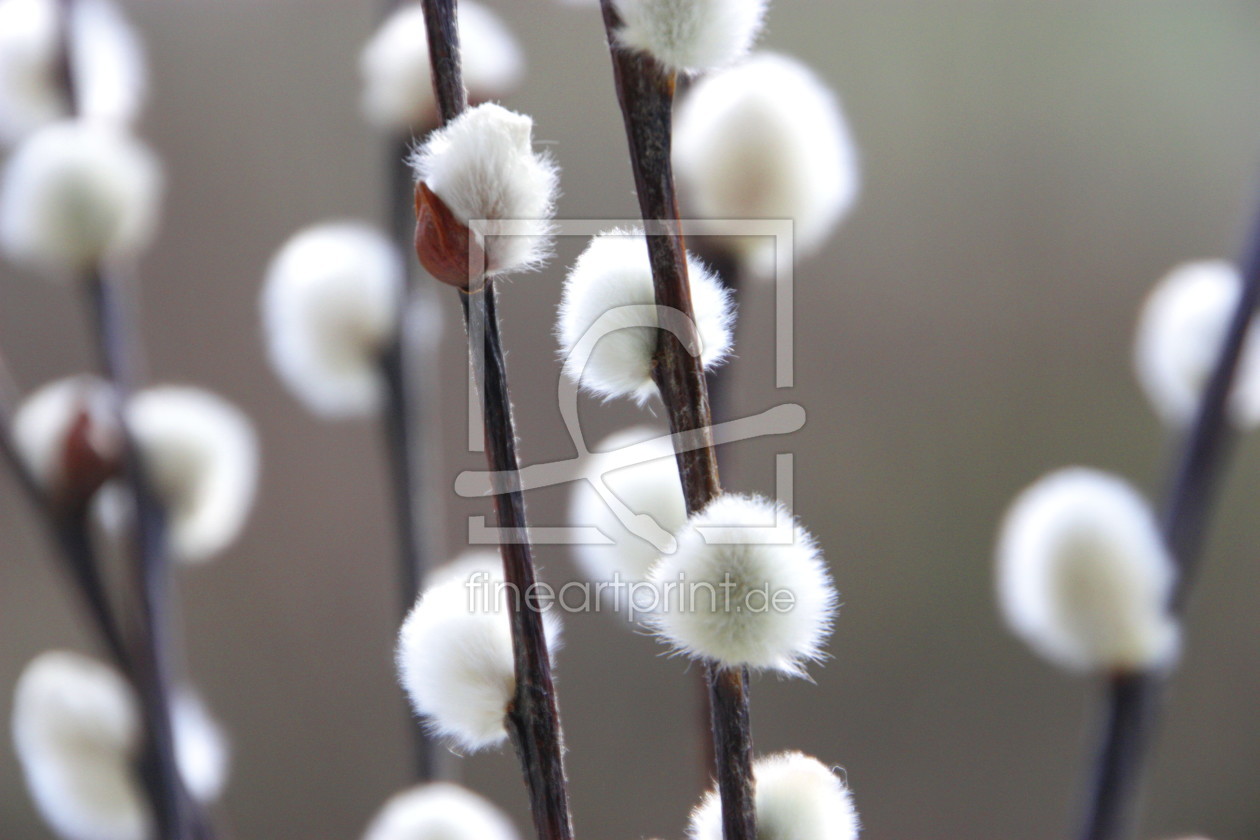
[
  {"x": 1132, "y": 702},
  {"x": 645, "y": 91},
  {"x": 151, "y": 631},
  {"x": 533, "y": 720}
]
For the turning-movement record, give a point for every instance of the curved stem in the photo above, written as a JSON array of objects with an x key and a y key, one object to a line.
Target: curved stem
[
  {"x": 645, "y": 92},
  {"x": 533, "y": 719},
  {"x": 1133, "y": 701},
  {"x": 151, "y": 654}
]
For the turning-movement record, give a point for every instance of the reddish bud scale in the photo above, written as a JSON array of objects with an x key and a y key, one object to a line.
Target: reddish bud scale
[{"x": 444, "y": 244}]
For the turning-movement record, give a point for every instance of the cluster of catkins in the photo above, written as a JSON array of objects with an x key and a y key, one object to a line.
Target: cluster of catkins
[
  {"x": 331, "y": 307},
  {"x": 1085, "y": 575},
  {"x": 80, "y": 194},
  {"x": 758, "y": 136}
]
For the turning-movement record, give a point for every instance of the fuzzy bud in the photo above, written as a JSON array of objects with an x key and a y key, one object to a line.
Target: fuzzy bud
[
  {"x": 1084, "y": 576},
  {"x": 67, "y": 432},
  {"x": 766, "y": 139},
  {"x": 75, "y": 193},
  {"x": 610, "y": 290},
  {"x": 796, "y": 796},
  {"x": 202, "y": 458},
  {"x": 747, "y": 587},
  {"x": 106, "y": 59},
  {"x": 691, "y": 36},
  {"x": 330, "y": 308},
  {"x": 454, "y": 657},
  {"x": 642, "y": 478},
  {"x": 1179, "y": 337},
  {"x": 76, "y": 730},
  {"x": 397, "y": 76},
  {"x": 439, "y": 811},
  {"x": 480, "y": 171}
]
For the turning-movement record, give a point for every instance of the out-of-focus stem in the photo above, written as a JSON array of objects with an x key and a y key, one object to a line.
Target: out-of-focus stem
[{"x": 1132, "y": 702}]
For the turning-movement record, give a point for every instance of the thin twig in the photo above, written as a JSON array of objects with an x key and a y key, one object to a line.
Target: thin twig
[
  {"x": 1133, "y": 702},
  {"x": 151, "y": 631},
  {"x": 533, "y": 720},
  {"x": 645, "y": 91},
  {"x": 174, "y": 814}
]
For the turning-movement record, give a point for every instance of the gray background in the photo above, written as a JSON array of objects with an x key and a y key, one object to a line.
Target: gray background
[{"x": 1030, "y": 169}]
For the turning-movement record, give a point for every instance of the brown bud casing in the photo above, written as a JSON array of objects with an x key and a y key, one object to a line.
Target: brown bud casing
[
  {"x": 89, "y": 458},
  {"x": 444, "y": 245}
]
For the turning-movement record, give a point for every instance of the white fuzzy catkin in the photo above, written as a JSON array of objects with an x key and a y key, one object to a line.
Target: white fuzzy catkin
[
  {"x": 766, "y": 139},
  {"x": 796, "y": 797},
  {"x": 454, "y": 658},
  {"x": 398, "y": 79},
  {"x": 439, "y": 811},
  {"x": 1179, "y": 337},
  {"x": 201, "y": 747},
  {"x": 1084, "y": 576},
  {"x": 202, "y": 457},
  {"x": 330, "y": 307},
  {"x": 608, "y": 288},
  {"x": 75, "y": 193},
  {"x": 45, "y": 419},
  {"x": 743, "y": 593},
  {"x": 76, "y": 730},
  {"x": 106, "y": 58},
  {"x": 483, "y": 167},
  {"x": 649, "y": 486},
  {"x": 691, "y": 36}
]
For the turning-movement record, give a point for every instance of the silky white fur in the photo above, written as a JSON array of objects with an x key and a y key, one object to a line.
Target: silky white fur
[
  {"x": 397, "y": 77},
  {"x": 454, "y": 659},
  {"x": 717, "y": 589},
  {"x": 201, "y": 747},
  {"x": 330, "y": 306},
  {"x": 1179, "y": 336},
  {"x": 75, "y": 193},
  {"x": 1084, "y": 576},
  {"x": 614, "y": 272},
  {"x": 439, "y": 811},
  {"x": 483, "y": 167},
  {"x": 202, "y": 457},
  {"x": 107, "y": 61},
  {"x": 44, "y": 420},
  {"x": 766, "y": 139},
  {"x": 691, "y": 36},
  {"x": 796, "y": 798},
  {"x": 76, "y": 729},
  {"x": 647, "y": 486}
]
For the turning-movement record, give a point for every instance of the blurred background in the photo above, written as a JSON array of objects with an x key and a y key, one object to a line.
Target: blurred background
[{"x": 1030, "y": 169}]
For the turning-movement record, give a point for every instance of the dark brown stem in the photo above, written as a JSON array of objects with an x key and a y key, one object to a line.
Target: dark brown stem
[
  {"x": 533, "y": 719},
  {"x": 1133, "y": 702},
  {"x": 441, "y": 24},
  {"x": 150, "y": 655},
  {"x": 645, "y": 91},
  {"x": 1122, "y": 747}
]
